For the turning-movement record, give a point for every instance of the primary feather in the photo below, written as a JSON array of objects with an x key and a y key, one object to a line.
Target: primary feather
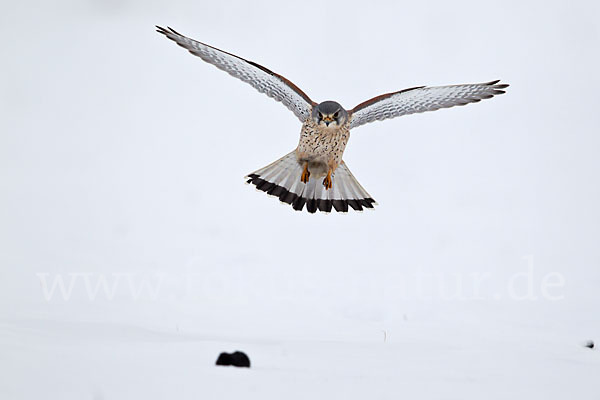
[
  {"x": 259, "y": 77},
  {"x": 421, "y": 99}
]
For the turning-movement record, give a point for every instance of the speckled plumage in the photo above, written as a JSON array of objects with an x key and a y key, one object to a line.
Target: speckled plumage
[
  {"x": 322, "y": 147},
  {"x": 295, "y": 178}
]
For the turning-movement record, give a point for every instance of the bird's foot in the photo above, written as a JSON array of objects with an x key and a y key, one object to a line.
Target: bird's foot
[
  {"x": 305, "y": 174},
  {"x": 327, "y": 181}
]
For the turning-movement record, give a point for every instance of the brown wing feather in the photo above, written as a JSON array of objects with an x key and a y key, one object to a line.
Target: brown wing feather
[
  {"x": 420, "y": 99},
  {"x": 262, "y": 79}
]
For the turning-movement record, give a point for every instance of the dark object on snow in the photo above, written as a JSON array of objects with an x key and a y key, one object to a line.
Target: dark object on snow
[
  {"x": 237, "y": 359},
  {"x": 589, "y": 344}
]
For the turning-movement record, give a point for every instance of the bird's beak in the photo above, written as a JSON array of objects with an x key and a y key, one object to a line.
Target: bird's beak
[{"x": 328, "y": 119}]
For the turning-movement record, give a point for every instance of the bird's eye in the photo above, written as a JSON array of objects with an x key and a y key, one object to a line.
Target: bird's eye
[
  {"x": 320, "y": 115},
  {"x": 337, "y": 114}
]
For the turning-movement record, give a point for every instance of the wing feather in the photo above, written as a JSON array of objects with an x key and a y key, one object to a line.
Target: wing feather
[
  {"x": 262, "y": 79},
  {"x": 420, "y": 99}
]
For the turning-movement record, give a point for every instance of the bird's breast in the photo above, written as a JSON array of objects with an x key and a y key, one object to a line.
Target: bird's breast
[{"x": 323, "y": 144}]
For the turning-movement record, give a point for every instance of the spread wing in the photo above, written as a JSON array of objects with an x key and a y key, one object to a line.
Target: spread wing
[
  {"x": 259, "y": 77},
  {"x": 421, "y": 99}
]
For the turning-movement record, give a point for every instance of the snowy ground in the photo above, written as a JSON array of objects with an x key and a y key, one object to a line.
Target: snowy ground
[
  {"x": 132, "y": 254},
  {"x": 61, "y": 360}
]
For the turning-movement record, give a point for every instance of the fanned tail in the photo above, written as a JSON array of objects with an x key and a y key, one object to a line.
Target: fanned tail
[{"x": 282, "y": 179}]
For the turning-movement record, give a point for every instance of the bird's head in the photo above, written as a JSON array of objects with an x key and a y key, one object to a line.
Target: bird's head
[{"x": 329, "y": 114}]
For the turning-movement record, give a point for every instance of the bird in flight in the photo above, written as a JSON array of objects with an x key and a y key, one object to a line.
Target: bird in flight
[{"x": 314, "y": 174}]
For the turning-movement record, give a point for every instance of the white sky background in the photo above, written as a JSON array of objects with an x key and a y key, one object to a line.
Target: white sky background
[{"x": 122, "y": 153}]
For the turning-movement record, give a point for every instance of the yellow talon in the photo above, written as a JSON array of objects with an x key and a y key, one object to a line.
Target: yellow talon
[
  {"x": 305, "y": 174},
  {"x": 327, "y": 181}
]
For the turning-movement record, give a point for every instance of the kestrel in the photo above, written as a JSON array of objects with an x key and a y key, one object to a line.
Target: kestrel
[{"x": 314, "y": 174}]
